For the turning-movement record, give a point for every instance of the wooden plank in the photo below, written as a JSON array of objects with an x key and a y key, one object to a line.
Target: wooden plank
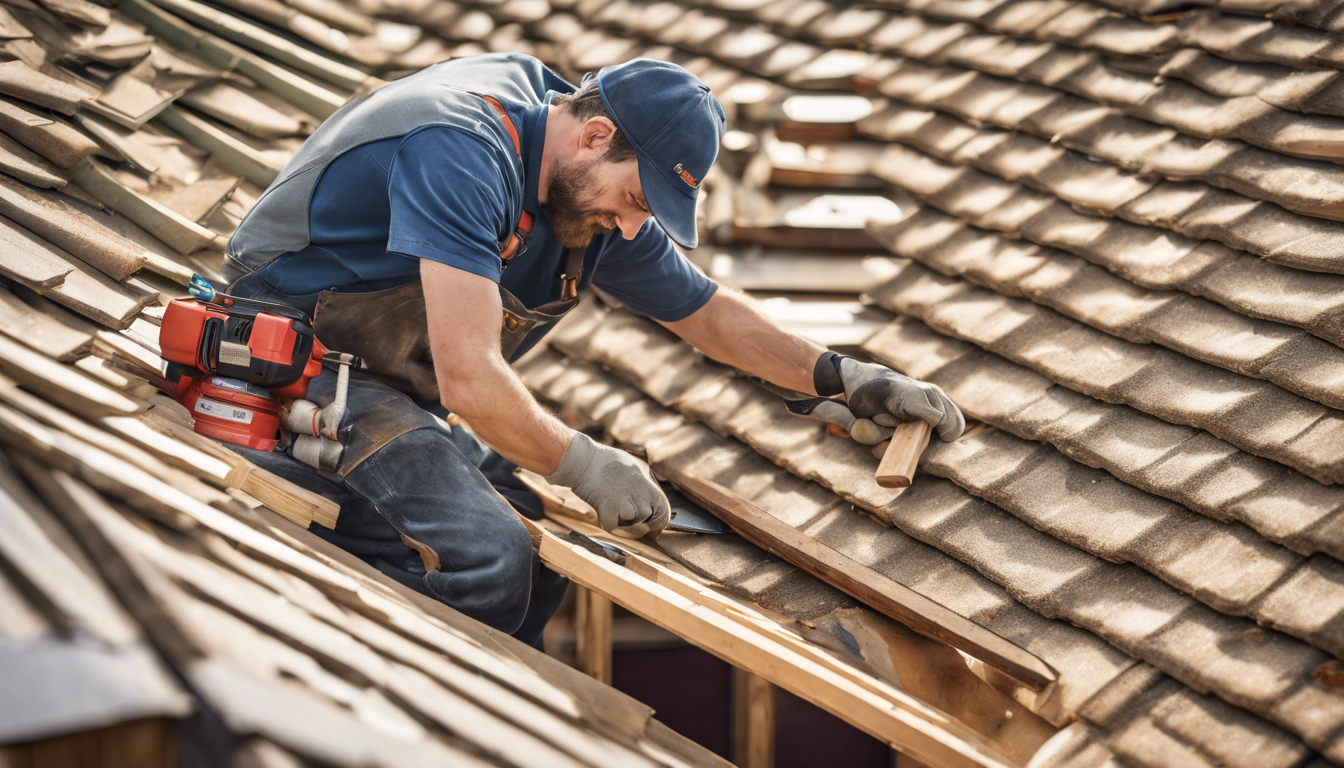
[
  {"x": 62, "y": 383},
  {"x": 111, "y": 344},
  {"x": 170, "y": 450},
  {"x": 295, "y": 503},
  {"x": 49, "y": 415},
  {"x": 855, "y": 642},
  {"x": 300, "y": 91},
  {"x": 479, "y": 652},
  {"x": 99, "y": 298},
  {"x": 120, "y": 379},
  {"x": 232, "y": 154},
  {"x": 226, "y": 469},
  {"x": 61, "y": 224},
  {"x": 446, "y": 631},
  {"x": 162, "y": 265},
  {"x": 592, "y": 627},
  {"x": 267, "y": 43},
  {"x": 176, "y": 231},
  {"x": 753, "y": 720},
  {"x": 29, "y": 167},
  {"x": 55, "y": 140},
  {"x": 29, "y": 259},
  {"x": 21, "y": 81},
  {"x": 80, "y": 600},
  {"x": 897, "y": 718},
  {"x": 206, "y": 643},
  {"x": 40, "y": 331},
  {"x": 889, "y": 597},
  {"x": 907, "y": 444}
]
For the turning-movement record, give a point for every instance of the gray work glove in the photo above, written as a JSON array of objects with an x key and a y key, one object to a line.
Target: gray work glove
[
  {"x": 863, "y": 431},
  {"x": 876, "y": 392},
  {"x": 619, "y": 486}
]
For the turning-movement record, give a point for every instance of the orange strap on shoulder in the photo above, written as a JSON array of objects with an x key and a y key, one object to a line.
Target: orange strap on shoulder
[
  {"x": 525, "y": 220},
  {"x": 508, "y": 123}
]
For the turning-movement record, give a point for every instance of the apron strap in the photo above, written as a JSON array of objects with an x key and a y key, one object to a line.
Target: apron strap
[
  {"x": 517, "y": 242},
  {"x": 572, "y": 270}
]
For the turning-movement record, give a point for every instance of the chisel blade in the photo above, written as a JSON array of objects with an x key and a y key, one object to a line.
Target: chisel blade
[{"x": 689, "y": 517}]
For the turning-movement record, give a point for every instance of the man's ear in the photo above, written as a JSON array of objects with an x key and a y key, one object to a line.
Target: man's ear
[{"x": 596, "y": 135}]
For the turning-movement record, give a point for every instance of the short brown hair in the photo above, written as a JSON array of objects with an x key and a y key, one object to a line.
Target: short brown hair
[{"x": 585, "y": 104}]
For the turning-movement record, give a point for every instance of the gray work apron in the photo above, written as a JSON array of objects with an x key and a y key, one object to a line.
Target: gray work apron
[{"x": 388, "y": 329}]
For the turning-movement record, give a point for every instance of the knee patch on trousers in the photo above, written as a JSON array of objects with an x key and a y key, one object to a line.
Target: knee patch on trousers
[{"x": 427, "y": 554}]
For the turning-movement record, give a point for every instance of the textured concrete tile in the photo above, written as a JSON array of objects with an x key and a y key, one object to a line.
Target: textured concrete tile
[
  {"x": 1310, "y": 603},
  {"x": 1208, "y": 475},
  {"x": 1229, "y": 567},
  {"x": 1147, "y": 715},
  {"x": 1249, "y": 413},
  {"x": 1149, "y": 257}
]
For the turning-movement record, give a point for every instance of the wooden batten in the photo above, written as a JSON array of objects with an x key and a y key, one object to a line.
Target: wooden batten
[
  {"x": 644, "y": 585},
  {"x": 61, "y": 383},
  {"x": 891, "y": 598}
]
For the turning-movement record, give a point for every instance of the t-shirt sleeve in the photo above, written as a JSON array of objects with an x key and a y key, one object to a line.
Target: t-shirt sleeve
[
  {"x": 649, "y": 276},
  {"x": 447, "y": 200}
]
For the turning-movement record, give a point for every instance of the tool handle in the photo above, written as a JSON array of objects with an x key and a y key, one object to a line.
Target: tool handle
[{"x": 897, "y": 468}]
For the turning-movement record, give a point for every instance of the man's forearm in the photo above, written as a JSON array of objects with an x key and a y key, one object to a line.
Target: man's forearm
[
  {"x": 501, "y": 411},
  {"x": 733, "y": 329},
  {"x": 464, "y": 314}
]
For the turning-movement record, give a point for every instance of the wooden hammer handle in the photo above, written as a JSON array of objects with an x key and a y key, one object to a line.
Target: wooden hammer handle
[{"x": 897, "y": 469}]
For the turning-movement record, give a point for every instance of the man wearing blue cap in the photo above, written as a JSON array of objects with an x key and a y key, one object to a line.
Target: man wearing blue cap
[{"x": 437, "y": 227}]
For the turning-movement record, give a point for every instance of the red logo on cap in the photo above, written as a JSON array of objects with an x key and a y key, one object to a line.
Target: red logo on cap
[{"x": 686, "y": 175}]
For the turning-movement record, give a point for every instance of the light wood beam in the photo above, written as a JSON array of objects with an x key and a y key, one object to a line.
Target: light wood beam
[
  {"x": 753, "y": 720},
  {"x": 592, "y": 627}
]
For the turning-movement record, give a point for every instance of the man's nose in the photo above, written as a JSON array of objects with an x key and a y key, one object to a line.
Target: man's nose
[{"x": 630, "y": 223}]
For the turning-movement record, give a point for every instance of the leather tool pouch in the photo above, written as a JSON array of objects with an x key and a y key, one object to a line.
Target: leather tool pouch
[{"x": 388, "y": 329}]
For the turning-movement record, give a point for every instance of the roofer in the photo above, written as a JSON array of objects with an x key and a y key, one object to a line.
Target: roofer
[{"x": 470, "y": 203}]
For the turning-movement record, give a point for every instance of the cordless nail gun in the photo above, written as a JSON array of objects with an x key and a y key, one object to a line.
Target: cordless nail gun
[{"x": 242, "y": 367}]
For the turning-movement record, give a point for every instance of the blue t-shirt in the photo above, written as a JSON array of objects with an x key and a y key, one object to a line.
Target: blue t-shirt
[{"x": 437, "y": 193}]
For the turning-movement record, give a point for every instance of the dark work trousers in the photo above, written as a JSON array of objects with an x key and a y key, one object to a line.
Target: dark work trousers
[
  {"x": 442, "y": 488},
  {"x": 447, "y": 490}
]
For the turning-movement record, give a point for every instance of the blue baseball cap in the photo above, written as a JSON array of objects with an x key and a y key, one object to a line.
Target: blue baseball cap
[{"x": 675, "y": 124}]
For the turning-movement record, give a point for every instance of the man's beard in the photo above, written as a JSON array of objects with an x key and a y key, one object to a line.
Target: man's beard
[{"x": 569, "y": 205}]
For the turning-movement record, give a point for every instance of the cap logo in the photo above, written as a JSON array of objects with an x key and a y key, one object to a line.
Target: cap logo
[{"x": 686, "y": 175}]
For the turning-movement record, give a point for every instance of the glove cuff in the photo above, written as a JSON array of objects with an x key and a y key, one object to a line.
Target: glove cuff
[
  {"x": 826, "y": 375},
  {"x": 574, "y": 464}
]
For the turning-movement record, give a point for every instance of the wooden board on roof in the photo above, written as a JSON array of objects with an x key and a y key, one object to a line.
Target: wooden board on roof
[
  {"x": 51, "y": 138},
  {"x": 893, "y": 599},
  {"x": 41, "y": 331},
  {"x": 883, "y": 711},
  {"x": 29, "y": 167},
  {"x": 63, "y": 384},
  {"x": 30, "y": 260},
  {"x": 58, "y": 222}
]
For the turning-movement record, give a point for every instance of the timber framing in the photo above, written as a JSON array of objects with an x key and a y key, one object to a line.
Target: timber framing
[{"x": 654, "y": 586}]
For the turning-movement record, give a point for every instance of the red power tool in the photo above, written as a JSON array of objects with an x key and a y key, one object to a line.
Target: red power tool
[{"x": 241, "y": 365}]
